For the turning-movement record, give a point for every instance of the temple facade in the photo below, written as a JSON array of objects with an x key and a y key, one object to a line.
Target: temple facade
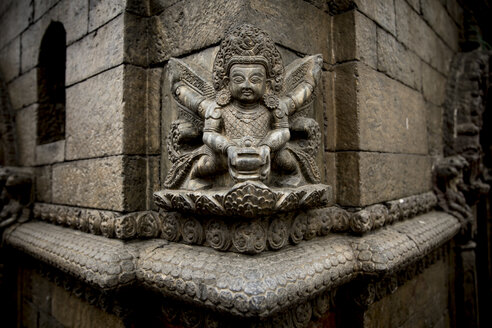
[{"x": 277, "y": 163}]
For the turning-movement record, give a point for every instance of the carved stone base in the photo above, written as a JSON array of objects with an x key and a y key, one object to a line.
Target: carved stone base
[
  {"x": 248, "y": 199},
  {"x": 259, "y": 287}
]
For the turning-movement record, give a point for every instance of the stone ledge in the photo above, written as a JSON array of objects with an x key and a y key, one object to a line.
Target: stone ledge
[{"x": 248, "y": 286}]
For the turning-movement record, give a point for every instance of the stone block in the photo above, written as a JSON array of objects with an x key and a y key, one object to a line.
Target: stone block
[
  {"x": 73, "y": 16},
  {"x": 397, "y": 61},
  {"x": 437, "y": 17},
  {"x": 95, "y": 116},
  {"x": 42, "y": 6},
  {"x": 121, "y": 119},
  {"x": 329, "y": 123},
  {"x": 434, "y": 129},
  {"x": 138, "y": 39},
  {"x": 377, "y": 113},
  {"x": 381, "y": 11},
  {"x": 29, "y": 315},
  {"x": 43, "y": 184},
  {"x": 330, "y": 168},
  {"x": 414, "y": 32},
  {"x": 47, "y": 321},
  {"x": 188, "y": 26},
  {"x": 96, "y": 52},
  {"x": 365, "y": 178},
  {"x": 433, "y": 85},
  {"x": 455, "y": 11},
  {"x": 293, "y": 24},
  {"x": 102, "y": 11},
  {"x": 415, "y": 5},
  {"x": 26, "y": 134},
  {"x": 10, "y": 60},
  {"x": 354, "y": 37},
  {"x": 14, "y": 20},
  {"x": 153, "y": 180},
  {"x": 64, "y": 306},
  {"x": 23, "y": 90},
  {"x": 112, "y": 183},
  {"x": 154, "y": 77},
  {"x": 42, "y": 290},
  {"x": 50, "y": 153}
]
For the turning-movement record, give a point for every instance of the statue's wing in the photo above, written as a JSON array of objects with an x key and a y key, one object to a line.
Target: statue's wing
[
  {"x": 300, "y": 73},
  {"x": 194, "y": 77}
]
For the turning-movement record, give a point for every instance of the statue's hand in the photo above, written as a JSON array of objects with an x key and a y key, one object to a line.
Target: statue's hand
[
  {"x": 232, "y": 155},
  {"x": 264, "y": 151}
]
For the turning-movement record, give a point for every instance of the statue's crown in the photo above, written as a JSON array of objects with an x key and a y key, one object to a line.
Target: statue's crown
[{"x": 245, "y": 44}]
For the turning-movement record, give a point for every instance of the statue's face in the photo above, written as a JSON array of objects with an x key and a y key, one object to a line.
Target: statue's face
[{"x": 247, "y": 83}]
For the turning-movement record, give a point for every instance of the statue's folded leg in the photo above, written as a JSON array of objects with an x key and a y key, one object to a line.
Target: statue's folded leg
[
  {"x": 204, "y": 170},
  {"x": 286, "y": 164}
]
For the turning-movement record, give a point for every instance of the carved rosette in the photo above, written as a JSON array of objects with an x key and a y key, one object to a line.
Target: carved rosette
[{"x": 243, "y": 235}]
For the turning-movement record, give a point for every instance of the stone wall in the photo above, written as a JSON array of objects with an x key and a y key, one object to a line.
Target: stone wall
[
  {"x": 389, "y": 75},
  {"x": 109, "y": 112},
  {"x": 385, "y": 69}
]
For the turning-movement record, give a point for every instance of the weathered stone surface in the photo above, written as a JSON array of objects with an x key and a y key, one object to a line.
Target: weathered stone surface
[
  {"x": 153, "y": 111},
  {"x": 455, "y": 11},
  {"x": 381, "y": 11},
  {"x": 397, "y": 61},
  {"x": 124, "y": 118},
  {"x": 50, "y": 153},
  {"x": 331, "y": 171},
  {"x": 187, "y": 26},
  {"x": 354, "y": 37},
  {"x": 26, "y": 134},
  {"x": 73, "y": 15},
  {"x": 42, "y": 6},
  {"x": 433, "y": 85},
  {"x": 139, "y": 39},
  {"x": 437, "y": 16},
  {"x": 377, "y": 113},
  {"x": 29, "y": 315},
  {"x": 419, "y": 37},
  {"x": 23, "y": 90},
  {"x": 153, "y": 181},
  {"x": 406, "y": 310},
  {"x": 415, "y": 5},
  {"x": 329, "y": 122},
  {"x": 289, "y": 22},
  {"x": 10, "y": 60},
  {"x": 434, "y": 129},
  {"x": 139, "y": 120},
  {"x": 95, "y": 116},
  {"x": 320, "y": 265},
  {"x": 366, "y": 178},
  {"x": 102, "y": 11},
  {"x": 43, "y": 183},
  {"x": 114, "y": 183},
  {"x": 96, "y": 52},
  {"x": 71, "y": 311},
  {"x": 19, "y": 13}
]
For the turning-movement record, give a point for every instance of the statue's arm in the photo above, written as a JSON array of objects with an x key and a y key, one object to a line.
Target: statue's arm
[
  {"x": 298, "y": 96},
  {"x": 191, "y": 99},
  {"x": 211, "y": 132},
  {"x": 280, "y": 134}
]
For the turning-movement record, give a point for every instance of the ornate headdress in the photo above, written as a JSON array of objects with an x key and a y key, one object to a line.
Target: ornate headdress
[{"x": 246, "y": 44}]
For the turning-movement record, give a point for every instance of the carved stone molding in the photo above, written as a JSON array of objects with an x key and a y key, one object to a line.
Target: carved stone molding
[
  {"x": 240, "y": 235},
  {"x": 236, "y": 284}
]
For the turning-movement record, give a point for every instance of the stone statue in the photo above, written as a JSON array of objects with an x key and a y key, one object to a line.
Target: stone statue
[{"x": 246, "y": 132}]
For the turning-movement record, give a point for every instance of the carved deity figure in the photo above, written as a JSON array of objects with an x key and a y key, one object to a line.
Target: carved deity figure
[{"x": 251, "y": 125}]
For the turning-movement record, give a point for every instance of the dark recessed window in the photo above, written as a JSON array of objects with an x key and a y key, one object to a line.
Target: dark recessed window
[{"x": 51, "y": 84}]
